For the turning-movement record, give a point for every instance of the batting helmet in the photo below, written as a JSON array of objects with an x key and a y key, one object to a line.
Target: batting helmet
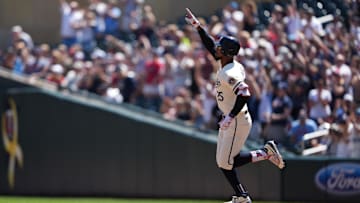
[{"x": 229, "y": 45}]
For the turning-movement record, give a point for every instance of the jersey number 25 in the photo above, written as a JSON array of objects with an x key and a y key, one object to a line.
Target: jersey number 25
[{"x": 220, "y": 96}]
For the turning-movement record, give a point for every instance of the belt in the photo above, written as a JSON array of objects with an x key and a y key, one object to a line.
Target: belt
[{"x": 241, "y": 112}]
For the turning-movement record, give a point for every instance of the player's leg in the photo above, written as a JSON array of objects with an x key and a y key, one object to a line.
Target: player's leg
[
  {"x": 241, "y": 194},
  {"x": 268, "y": 152},
  {"x": 230, "y": 142},
  {"x": 229, "y": 145},
  {"x": 243, "y": 127}
]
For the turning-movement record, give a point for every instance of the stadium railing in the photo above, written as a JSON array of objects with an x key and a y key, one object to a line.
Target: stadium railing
[{"x": 319, "y": 148}]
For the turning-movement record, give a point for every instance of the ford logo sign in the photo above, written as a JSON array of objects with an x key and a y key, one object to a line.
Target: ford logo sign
[{"x": 339, "y": 179}]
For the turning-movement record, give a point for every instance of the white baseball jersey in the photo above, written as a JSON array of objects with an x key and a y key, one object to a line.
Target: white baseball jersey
[{"x": 230, "y": 82}]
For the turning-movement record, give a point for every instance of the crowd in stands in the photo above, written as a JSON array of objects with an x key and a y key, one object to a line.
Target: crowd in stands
[{"x": 304, "y": 71}]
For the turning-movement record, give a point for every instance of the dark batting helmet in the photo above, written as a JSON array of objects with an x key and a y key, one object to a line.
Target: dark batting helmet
[{"x": 229, "y": 45}]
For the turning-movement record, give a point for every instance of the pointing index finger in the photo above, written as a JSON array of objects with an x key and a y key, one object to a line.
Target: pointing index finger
[{"x": 189, "y": 12}]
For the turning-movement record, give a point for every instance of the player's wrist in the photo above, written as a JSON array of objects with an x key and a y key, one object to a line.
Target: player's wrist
[{"x": 195, "y": 23}]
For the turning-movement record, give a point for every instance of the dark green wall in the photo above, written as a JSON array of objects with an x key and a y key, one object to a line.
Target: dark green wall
[{"x": 75, "y": 149}]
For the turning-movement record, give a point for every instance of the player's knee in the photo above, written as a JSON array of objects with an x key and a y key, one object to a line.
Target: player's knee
[{"x": 224, "y": 165}]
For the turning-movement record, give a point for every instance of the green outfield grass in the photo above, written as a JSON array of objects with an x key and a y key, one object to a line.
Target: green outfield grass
[{"x": 98, "y": 200}]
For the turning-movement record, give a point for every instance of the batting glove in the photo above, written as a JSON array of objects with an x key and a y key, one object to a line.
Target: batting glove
[
  {"x": 226, "y": 122},
  {"x": 191, "y": 19}
]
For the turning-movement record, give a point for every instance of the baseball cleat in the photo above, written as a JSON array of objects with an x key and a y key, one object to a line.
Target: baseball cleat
[
  {"x": 241, "y": 199},
  {"x": 274, "y": 154}
]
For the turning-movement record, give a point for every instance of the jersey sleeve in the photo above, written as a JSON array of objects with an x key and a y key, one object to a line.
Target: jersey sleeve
[
  {"x": 242, "y": 89},
  {"x": 208, "y": 42},
  {"x": 236, "y": 80}
]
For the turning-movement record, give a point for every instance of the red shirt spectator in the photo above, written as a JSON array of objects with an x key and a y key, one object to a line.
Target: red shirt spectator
[{"x": 154, "y": 70}]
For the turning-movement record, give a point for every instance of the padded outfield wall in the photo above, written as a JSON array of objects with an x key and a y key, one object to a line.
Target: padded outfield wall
[{"x": 81, "y": 146}]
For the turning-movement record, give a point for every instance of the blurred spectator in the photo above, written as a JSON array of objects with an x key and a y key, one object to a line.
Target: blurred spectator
[
  {"x": 146, "y": 28},
  {"x": 18, "y": 34},
  {"x": 279, "y": 117},
  {"x": 56, "y": 74},
  {"x": 100, "y": 26},
  {"x": 277, "y": 15},
  {"x": 43, "y": 59},
  {"x": 127, "y": 84},
  {"x": 112, "y": 19},
  {"x": 18, "y": 60},
  {"x": 69, "y": 12},
  {"x": 298, "y": 129},
  {"x": 153, "y": 86},
  {"x": 131, "y": 18},
  {"x": 310, "y": 25},
  {"x": 113, "y": 94},
  {"x": 319, "y": 102},
  {"x": 342, "y": 69},
  {"x": 343, "y": 106},
  {"x": 197, "y": 113},
  {"x": 183, "y": 106},
  {"x": 355, "y": 82},
  {"x": 340, "y": 145},
  {"x": 293, "y": 22},
  {"x": 8, "y": 59},
  {"x": 299, "y": 86},
  {"x": 265, "y": 104},
  {"x": 250, "y": 20},
  {"x": 85, "y": 32},
  {"x": 233, "y": 18},
  {"x": 338, "y": 89},
  {"x": 208, "y": 103},
  {"x": 168, "y": 109},
  {"x": 74, "y": 76}
]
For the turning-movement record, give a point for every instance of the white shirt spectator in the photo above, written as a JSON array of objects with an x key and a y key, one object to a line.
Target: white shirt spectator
[
  {"x": 318, "y": 110},
  {"x": 67, "y": 29},
  {"x": 19, "y": 34},
  {"x": 208, "y": 101},
  {"x": 113, "y": 95},
  {"x": 85, "y": 32},
  {"x": 293, "y": 24},
  {"x": 344, "y": 71},
  {"x": 265, "y": 107},
  {"x": 315, "y": 27}
]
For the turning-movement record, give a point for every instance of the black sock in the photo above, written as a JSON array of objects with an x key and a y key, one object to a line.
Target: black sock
[
  {"x": 234, "y": 182},
  {"x": 242, "y": 159}
]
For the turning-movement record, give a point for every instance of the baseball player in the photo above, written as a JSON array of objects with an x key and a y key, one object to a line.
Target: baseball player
[{"x": 232, "y": 96}]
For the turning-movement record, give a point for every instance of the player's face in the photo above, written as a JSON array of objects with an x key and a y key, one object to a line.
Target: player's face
[{"x": 218, "y": 52}]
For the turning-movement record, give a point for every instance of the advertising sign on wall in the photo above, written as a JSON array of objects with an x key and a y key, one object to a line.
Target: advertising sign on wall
[
  {"x": 10, "y": 139},
  {"x": 339, "y": 179}
]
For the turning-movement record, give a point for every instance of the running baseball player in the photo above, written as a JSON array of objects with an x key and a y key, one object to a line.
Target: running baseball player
[{"x": 232, "y": 96}]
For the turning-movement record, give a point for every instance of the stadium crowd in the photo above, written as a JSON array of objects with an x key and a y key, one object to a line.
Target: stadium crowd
[{"x": 304, "y": 71}]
